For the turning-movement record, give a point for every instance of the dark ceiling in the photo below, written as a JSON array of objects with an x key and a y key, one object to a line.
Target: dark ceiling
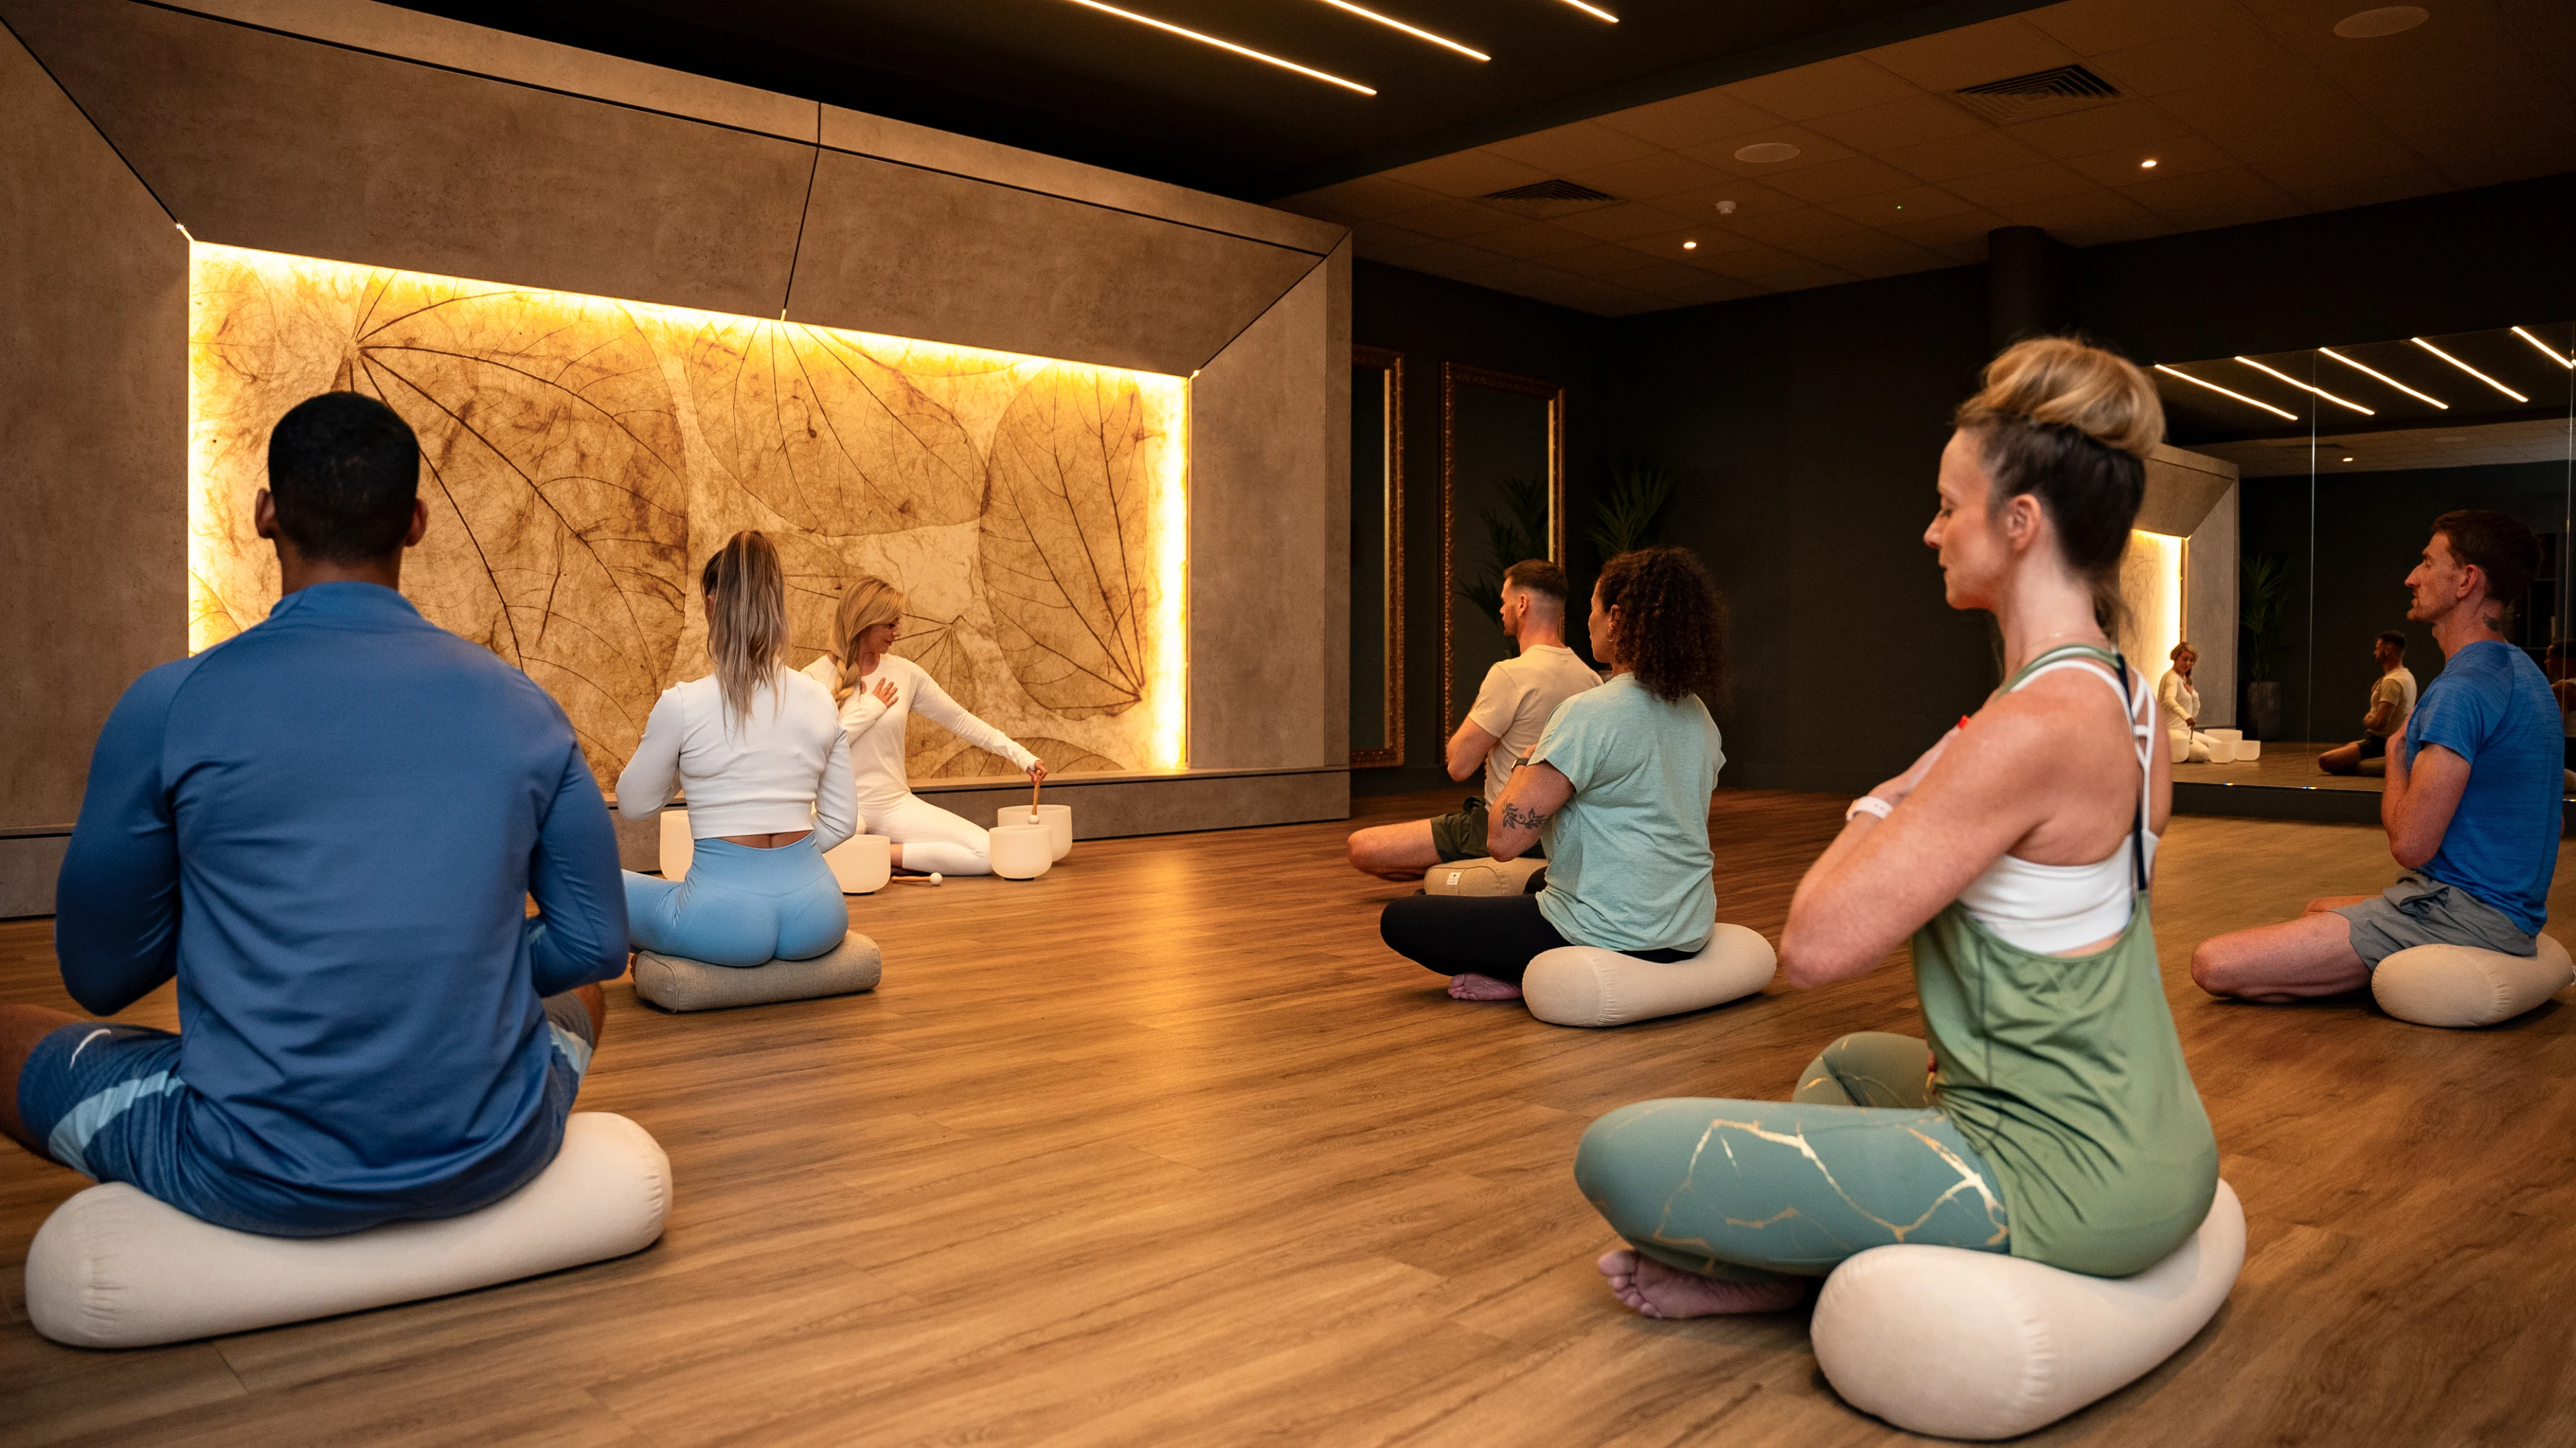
[{"x": 1055, "y": 76}]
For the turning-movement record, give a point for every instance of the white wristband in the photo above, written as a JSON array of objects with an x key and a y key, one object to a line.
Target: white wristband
[{"x": 1868, "y": 804}]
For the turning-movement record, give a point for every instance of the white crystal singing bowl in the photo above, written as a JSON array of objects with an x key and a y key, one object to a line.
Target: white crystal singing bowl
[
  {"x": 1021, "y": 852},
  {"x": 1058, "y": 819}
]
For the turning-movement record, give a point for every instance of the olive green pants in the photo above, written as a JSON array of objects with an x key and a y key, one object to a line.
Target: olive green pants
[{"x": 1860, "y": 1157}]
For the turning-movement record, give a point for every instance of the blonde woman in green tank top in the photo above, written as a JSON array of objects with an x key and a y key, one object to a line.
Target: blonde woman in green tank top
[{"x": 2050, "y": 1114}]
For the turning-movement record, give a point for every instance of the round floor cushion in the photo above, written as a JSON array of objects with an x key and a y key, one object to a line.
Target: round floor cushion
[
  {"x": 1963, "y": 1344},
  {"x": 676, "y": 983},
  {"x": 2459, "y": 985},
  {"x": 1577, "y": 985},
  {"x": 112, "y": 1267}
]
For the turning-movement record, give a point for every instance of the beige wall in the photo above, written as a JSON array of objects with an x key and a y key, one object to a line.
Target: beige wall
[{"x": 374, "y": 135}]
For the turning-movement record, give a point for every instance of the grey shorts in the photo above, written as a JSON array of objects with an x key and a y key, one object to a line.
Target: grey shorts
[{"x": 2421, "y": 911}]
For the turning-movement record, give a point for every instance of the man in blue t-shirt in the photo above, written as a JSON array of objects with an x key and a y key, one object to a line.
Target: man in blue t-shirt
[
  {"x": 2472, "y": 807},
  {"x": 327, "y": 829}
]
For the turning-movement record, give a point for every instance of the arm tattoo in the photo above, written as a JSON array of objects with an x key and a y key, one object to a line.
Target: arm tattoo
[{"x": 1517, "y": 818}]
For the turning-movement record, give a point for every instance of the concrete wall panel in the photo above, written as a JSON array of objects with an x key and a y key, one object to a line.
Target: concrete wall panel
[
  {"x": 920, "y": 253},
  {"x": 93, "y": 449},
  {"x": 262, "y": 140},
  {"x": 1269, "y": 495}
]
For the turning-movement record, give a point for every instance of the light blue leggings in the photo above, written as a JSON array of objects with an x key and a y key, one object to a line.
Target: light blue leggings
[{"x": 740, "y": 906}]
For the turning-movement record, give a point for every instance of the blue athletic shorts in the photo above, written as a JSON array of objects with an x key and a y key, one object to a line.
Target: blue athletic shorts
[{"x": 107, "y": 1101}]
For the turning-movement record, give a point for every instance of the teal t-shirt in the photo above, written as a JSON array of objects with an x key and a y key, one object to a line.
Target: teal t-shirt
[{"x": 1627, "y": 857}]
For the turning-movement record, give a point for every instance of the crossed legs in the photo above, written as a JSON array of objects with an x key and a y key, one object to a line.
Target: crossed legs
[
  {"x": 2294, "y": 960},
  {"x": 1394, "y": 852}
]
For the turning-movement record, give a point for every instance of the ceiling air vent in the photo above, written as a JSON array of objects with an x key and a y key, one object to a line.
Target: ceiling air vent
[
  {"x": 1554, "y": 197},
  {"x": 2040, "y": 93}
]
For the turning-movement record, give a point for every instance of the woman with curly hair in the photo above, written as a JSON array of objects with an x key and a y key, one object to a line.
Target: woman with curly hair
[
  {"x": 2049, "y": 1115},
  {"x": 1618, "y": 788}
]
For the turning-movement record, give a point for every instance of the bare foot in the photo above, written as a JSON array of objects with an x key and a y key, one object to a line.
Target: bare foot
[
  {"x": 1482, "y": 988},
  {"x": 1656, "y": 1290}
]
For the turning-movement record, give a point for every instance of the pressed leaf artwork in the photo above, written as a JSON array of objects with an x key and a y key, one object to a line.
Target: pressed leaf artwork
[
  {"x": 583, "y": 457},
  {"x": 1066, "y": 558}
]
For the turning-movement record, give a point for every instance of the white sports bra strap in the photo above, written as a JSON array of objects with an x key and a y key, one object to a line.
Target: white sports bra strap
[{"x": 2129, "y": 705}]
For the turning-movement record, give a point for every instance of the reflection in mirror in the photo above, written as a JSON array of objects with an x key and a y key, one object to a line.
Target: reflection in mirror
[
  {"x": 2349, "y": 451},
  {"x": 1502, "y": 499},
  {"x": 1377, "y": 558}
]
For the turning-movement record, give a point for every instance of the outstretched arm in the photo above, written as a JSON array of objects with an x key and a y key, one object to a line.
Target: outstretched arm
[
  {"x": 1536, "y": 792},
  {"x": 578, "y": 934},
  {"x": 932, "y": 703},
  {"x": 116, "y": 903},
  {"x": 2417, "y": 806}
]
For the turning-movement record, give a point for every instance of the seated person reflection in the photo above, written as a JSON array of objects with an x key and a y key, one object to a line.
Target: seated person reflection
[
  {"x": 878, "y": 692},
  {"x": 2179, "y": 702},
  {"x": 757, "y": 748},
  {"x": 327, "y": 829},
  {"x": 1519, "y": 696},
  {"x": 2556, "y": 665},
  {"x": 2472, "y": 807},
  {"x": 2050, "y": 1114},
  {"x": 2392, "y": 700},
  {"x": 1618, "y": 788}
]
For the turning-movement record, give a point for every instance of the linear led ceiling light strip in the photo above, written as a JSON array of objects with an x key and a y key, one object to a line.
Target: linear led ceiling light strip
[
  {"x": 2465, "y": 367},
  {"x": 2546, "y": 350},
  {"x": 1595, "y": 11},
  {"x": 2384, "y": 377},
  {"x": 2304, "y": 387},
  {"x": 1391, "y": 23},
  {"x": 2239, "y": 396},
  {"x": 1169, "y": 28}
]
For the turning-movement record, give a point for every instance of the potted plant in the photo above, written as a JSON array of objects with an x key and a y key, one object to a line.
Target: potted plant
[{"x": 2263, "y": 602}]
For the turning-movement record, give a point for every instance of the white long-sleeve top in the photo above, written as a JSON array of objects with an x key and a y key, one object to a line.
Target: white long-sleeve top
[
  {"x": 785, "y": 768},
  {"x": 875, "y": 729}
]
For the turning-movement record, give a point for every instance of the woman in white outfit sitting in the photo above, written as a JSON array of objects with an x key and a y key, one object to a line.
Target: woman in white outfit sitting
[
  {"x": 2179, "y": 702},
  {"x": 759, "y": 750},
  {"x": 878, "y": 693}
]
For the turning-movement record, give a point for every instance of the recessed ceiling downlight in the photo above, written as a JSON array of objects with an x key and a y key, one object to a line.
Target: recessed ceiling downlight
[
  {"x": 1764, "y": 152},
  {"x": 2386, "y": 20}
]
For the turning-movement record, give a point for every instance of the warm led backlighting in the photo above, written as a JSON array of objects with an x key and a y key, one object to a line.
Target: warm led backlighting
[
  {"x": 1391, "y": 23},
  {"x": 2147, "y": 165},
  {"x": 2154, "y": 576},
  {"x": 2546, "y": 350},
  {"x": 2384, "y": 377},
  {"x": 1595, "y": 11},
  {"x": 1185, "y": 33},
  {"x": 2304, "y": 387},
  {"x": 2465, "y": 367},
  {"x": 2214, "y": 387},
  {"x": 1690, "y": 246},
  {"x": 579, "y": 453}
]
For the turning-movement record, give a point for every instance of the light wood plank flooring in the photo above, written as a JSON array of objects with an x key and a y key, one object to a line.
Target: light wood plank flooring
[{"x": 1166, "y": 1148}]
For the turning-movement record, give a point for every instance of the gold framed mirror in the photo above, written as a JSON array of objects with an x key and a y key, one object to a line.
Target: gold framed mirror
[
  {"x": 1502, "y": 491},
  {"x": 1377, "y": 558}
]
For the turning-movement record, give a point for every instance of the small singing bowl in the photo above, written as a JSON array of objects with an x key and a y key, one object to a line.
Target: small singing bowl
[{"x": 1058, "y": 819}]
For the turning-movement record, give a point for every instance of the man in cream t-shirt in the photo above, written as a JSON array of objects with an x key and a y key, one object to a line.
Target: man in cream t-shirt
[
  {"x": 2392, "y": 702},
  {"x": 1511, "y": 711}
]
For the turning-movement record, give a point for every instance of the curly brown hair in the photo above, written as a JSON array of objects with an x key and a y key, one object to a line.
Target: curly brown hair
[{"x": 1671, "y": 630}]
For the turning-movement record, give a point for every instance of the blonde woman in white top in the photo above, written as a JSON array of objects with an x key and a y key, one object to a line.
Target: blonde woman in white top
[
  {"x": 878, "y": 694},
  {"x": 2179, "y": 702},
  {"x": 759, "y": 750}
]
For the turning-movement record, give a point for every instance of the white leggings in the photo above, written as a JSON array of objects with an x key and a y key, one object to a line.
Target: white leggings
[{"x": 932, "y": 838}]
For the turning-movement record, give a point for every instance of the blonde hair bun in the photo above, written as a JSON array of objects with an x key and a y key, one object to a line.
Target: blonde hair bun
[{"x": 2060, "y": 382}]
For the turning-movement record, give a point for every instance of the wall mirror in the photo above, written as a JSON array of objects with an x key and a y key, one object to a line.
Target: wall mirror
[
  {"x": 2348, "y": 451},
  {"x": 1377, "y": 558},
  {"x": 1502, "y": 499}
]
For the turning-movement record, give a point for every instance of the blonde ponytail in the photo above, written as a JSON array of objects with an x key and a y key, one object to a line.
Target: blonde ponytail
[
  {"x": 866, "y": 603},
  {"x": 746, "y": 591}
]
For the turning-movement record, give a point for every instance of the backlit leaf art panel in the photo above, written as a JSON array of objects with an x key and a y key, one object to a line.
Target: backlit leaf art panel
[{"x": 583, "y": 457}]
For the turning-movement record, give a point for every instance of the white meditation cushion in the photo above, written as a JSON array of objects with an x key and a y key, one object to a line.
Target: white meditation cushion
[
  {"x": 1482, "y": 876},
  {"x": 2460, "y": 985},
  {"x": 1022, "y": 852},
  {"x": 1577, "y": 985},
  {"x": 1058, "y": 819},
  {"x": 1963, "y": 1344},
  {"x": 112, "y": 1267},
  {"x": 676, "y": 983}
]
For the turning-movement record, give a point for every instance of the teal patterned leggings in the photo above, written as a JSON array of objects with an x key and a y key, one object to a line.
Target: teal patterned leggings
[{"x": 1860, "y": 1157}]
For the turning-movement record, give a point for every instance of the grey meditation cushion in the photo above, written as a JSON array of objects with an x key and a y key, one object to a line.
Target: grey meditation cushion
[{"x": 678, "y": 984}]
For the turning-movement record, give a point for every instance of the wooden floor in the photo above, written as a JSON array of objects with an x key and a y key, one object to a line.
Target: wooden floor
[
  {"x": 2286, "y": 764},
  {"x": 1166, "y": 1148}
]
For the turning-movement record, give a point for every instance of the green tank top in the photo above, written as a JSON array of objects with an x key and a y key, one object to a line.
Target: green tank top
[{"x": 2066, "y": 1073}]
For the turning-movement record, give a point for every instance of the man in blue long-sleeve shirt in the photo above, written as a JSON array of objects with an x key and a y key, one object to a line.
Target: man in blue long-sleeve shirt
[{"x": 327, "y": 829}]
